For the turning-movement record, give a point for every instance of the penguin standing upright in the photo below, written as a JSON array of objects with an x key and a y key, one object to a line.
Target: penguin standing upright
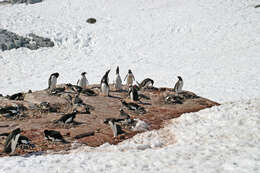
[
  {"x": 133, "y": 93},
  {"x": 104, "y": 87},
  {"x": 83, "y": 82},
  {"x": 12, "y": 141},
  {"x": 130, "y": 78},
  {"x": 178, "y": 86},
  {"x": 53, "y": 80},
  {"x": 118, "y": 84}
]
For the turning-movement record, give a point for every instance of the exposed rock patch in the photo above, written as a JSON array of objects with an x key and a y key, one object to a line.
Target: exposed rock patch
[{"x": 10, "y": 40}]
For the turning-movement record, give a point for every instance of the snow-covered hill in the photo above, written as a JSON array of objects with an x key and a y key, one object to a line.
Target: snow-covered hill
[{"x": 213, "y": 45}]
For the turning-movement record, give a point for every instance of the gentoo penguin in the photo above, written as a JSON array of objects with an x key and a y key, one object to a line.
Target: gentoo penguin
[
  {"x": 133, "y": 107},
  {"x": 104, "y": 84},
  {"x": 22, "y": 141},
  {"x": 54, "y": 136},
  {"x": 78, "y": 101},
  {"x": 67, "y": 118},
  {"x": 53, "y": 80},
  {"x": 145, "y": 83},
  {"x": 12, "y": 141},
  {"x": 133, "y": 93},
  {"x": 116, "y": 128},
  {"x": 118, "y": 84},
  {"x": 130, "y": 78},
  {"x": 83, "y": 82},
  {"x": 178, "y": 86},
  {"x": 123, "y": 114}
]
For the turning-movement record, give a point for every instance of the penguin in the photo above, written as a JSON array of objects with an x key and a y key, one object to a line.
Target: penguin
[
  {"x": 78, "y": 101},
  {"x": 123, "y": 114},
  {"x": 67, "y": 118},
  {"x": 178, "y": 86},
  {"x": 145, "y": 83},
  {"x": 118, "y": 82},
  {"x": 83, "y": 82},
  {"x": 54, "y": 136},
  {"x": 104, "y": 87},
  {"x": 130, "y": 78},
  {"x": 12, "y": 141},
  {"x": 133, "y": 93},
  {"x": 10, "y": 111},
  {"x": 53, "y": 80},
  {"x": 133, "y": 107},
  {"x": 116, "y": 128}
]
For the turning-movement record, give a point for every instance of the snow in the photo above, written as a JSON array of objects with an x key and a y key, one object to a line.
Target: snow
[{"x": 213, "y": 45}]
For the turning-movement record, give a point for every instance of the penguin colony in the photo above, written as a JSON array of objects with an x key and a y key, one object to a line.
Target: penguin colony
[{"x": 14, "y": 138}]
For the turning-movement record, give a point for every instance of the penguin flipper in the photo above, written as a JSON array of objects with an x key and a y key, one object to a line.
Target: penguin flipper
[{"x": 49, "y": 83}]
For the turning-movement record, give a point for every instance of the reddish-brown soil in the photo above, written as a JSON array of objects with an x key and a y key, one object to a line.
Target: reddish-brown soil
[{"x": 37, "y": 120}]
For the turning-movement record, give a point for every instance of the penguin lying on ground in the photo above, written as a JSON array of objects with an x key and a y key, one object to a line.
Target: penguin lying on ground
[
  {"x": 67, "y": 118},
  {"x": 133, "y": 107},
  {"x": 54, "y": 136}
]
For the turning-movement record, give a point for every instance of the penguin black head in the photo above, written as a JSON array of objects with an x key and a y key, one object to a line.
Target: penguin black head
[
  {"x": 75, "y": 111},
  {"x": 108, "y": 71},
  {"x": 46, "y": 132},
  {"x": 179, "y": 78},
  {"x": 117, "y": 70},
  {"x": 83, "y": 73},
  {"x": 17, "y": 131},
  {"x": 129, "y": 71},
  {"x": 56, "y": 74}
]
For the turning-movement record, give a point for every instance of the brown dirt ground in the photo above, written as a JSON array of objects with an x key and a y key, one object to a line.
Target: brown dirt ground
[{"x": 37, "y": 120}]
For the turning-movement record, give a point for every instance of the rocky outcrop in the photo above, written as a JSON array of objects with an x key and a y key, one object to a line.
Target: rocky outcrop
[
  {"x": 98, "y": 117},
  {"x": 24, "y": 1},
  {"x": 10, "y": 40}
]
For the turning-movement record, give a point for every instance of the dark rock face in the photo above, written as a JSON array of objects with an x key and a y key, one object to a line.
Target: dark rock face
[
  {"x": 91, "y": 20},
  {"x": 10, "y": 40},
  {"x": 24, "y": 1}
]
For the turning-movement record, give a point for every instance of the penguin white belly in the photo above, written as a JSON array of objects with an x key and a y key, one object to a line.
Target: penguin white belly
[
  {"x": 14, "y": 142},
  {"x": 104, "y": 89},
  {"x": 132, "y": 95},
  {"x": 180, "y": 86},
  {"x": 69, "y": 120},
  {"x": 83, "y": 82},
  {"x": 118, "y": 84},
  {"x": 149, "y": 83},
  {"x": 53, "y": 82},
  {"x": 130, "y": 80}
]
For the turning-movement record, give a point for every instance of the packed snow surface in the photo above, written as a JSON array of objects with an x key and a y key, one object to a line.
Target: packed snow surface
[{"x": 213, "y": 45}]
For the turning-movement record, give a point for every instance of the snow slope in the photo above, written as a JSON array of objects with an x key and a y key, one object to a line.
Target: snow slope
[{"x": 213, "y": 45}]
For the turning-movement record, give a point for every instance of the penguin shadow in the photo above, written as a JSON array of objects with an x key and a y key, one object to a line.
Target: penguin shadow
[
  {"x": 119, "y": 91},
  {"x": 143, "y": 103},
  {"x": 115, "y": 97},
  {"x": 30, "y": 154}
]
